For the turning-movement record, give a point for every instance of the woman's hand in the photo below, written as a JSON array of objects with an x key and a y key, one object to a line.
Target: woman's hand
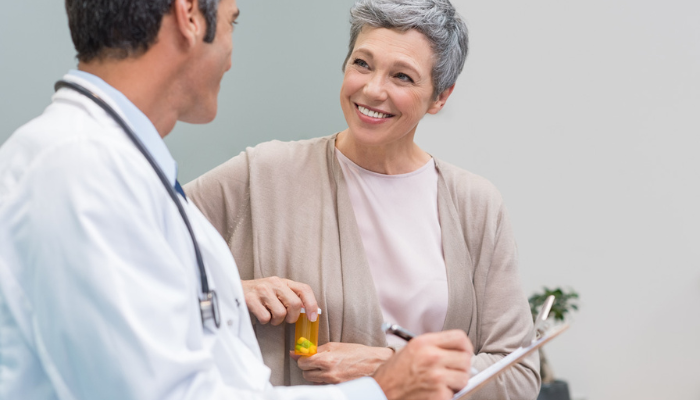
[
  {"x": 340, "y": 362},
  {"x": 275, "y": 300}
]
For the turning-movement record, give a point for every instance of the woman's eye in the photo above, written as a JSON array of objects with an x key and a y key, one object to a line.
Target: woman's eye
[
  {"x": 361, "y": 63},
  {"x": 403, "y": 77}
]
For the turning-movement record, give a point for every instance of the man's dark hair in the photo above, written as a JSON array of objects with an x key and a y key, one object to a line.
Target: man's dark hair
[{"x": 122, "y": 28}]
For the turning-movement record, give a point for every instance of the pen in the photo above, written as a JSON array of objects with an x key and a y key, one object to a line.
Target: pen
[
  {"x": 540, "y": 322},
  {"x": 398, "y": 331}
]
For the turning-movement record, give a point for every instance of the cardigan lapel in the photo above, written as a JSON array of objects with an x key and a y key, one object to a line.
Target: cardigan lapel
[
  {"x": 362, "y": 316},
  {"x": 461, "y": 304}
]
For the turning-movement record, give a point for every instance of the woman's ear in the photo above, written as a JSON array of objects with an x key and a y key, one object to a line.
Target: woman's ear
[
  {"x": 441, "y": 100},
  {"x": 189, "y": 21}
]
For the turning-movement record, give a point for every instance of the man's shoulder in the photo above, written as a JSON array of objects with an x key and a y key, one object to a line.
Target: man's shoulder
[
  {"x": 60, "y": 125},
  {"x": 66, "y": 145}
]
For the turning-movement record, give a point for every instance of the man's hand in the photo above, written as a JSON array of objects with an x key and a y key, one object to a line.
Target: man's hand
[
  {"x": 275, "y": 300},
  {"x": 431, "y": 366},
  {"x": 340, "y": 362}
]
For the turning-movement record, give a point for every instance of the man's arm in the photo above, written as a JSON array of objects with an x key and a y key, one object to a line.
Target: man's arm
[
  {"x": 114, "y": 307},
  {"x": 431, "y": 366}
]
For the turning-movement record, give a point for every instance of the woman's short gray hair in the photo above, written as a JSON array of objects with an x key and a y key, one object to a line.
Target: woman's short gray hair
[{"x": 436, "y": 19}]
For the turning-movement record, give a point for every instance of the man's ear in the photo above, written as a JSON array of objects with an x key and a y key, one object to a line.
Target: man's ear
[
  {"x": 189, "y": 20},
  {"x": 441, "y": 100}
]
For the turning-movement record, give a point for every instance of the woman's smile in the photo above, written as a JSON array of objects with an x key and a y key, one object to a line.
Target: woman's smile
[{"x": 372, "y": 115}]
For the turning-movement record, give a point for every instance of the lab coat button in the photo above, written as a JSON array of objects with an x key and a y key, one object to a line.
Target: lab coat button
[{"x": 230, "y": 322}]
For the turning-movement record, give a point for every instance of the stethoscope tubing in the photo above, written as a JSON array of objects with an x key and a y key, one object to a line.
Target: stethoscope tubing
[{"x": 209, "y": 295}]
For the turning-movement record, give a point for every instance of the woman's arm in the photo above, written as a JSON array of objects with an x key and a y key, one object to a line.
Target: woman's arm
[
  {"x": 223, "y": 196},
  {"x": 341, "y": 362},
  {"x": 504, "y": 316}
]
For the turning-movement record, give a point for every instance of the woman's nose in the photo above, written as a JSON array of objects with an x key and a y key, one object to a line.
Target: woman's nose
[{"x": 375, "y": 88}]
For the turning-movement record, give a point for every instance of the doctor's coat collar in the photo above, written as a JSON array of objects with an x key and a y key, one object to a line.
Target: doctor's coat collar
[{"x": 139, "y": 122}]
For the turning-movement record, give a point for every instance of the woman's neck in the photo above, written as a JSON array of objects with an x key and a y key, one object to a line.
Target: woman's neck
[{"x": 401, "y": 157}]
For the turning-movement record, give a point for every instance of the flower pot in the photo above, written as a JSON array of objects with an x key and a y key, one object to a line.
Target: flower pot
[{"x": 557, "y": 390}]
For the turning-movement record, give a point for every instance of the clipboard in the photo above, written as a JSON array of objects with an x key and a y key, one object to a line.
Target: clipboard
[{"x": 485, "y": 376}]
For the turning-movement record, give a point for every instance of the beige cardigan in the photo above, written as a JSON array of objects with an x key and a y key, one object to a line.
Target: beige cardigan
[{"x": 284, "y": 210}]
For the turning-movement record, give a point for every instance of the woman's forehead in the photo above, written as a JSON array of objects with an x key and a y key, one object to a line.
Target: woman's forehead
[{"x": 409, "y": 46}]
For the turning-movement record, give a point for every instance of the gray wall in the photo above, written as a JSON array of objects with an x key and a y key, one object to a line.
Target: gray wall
[
  {"x": 584, "y": 114},
  {"x": 35, "y": 51},
  {"x": 284, "y": 83}
]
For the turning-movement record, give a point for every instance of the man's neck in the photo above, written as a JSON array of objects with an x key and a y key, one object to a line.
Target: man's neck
[{"x": 144, "y": 83}]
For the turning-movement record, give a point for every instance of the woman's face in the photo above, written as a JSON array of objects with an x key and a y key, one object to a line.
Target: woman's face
[{"x": 388, "y": 86}]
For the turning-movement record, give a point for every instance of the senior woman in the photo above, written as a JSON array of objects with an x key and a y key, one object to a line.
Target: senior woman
[{"x": 369, "y": 226}]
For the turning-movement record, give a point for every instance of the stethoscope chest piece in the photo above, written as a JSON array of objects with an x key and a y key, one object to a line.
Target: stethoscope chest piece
[{"x": 209, "y": 307}]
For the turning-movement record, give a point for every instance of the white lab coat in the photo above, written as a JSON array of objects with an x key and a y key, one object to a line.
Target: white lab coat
[{"x": 98, "y": 279}]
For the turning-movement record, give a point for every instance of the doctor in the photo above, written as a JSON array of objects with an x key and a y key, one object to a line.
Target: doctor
[{"x": 112, "y": 284}]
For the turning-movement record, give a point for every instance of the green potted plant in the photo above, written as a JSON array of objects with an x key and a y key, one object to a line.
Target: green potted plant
[{"x": 564, "y": 303}]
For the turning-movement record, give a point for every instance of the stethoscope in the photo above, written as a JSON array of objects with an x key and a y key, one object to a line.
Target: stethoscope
[{"x": 209, "y": 302}]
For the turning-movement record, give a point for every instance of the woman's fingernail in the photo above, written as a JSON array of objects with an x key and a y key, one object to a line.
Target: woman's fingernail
[{"x": 312, "y": 317}]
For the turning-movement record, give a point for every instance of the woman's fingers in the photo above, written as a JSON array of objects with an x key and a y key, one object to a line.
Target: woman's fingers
[
  {"x": 316, "y": 369},
  {"x": 341, "y": 362},
  {"x": 255, "y": 293},
  {"x": 304, "y": 292},
  {"x": 275, "y": 300},
  {"x": 317, "y": 376},
  {"x": 256, "y": 307},
  {"x": 277, "y": 308},
  {"x": 294, "y": 355},
  {"x": 308, "y": 363}
]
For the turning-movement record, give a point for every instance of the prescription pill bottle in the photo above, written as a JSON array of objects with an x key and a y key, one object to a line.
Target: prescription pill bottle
[{"x": 306, "y": 335}]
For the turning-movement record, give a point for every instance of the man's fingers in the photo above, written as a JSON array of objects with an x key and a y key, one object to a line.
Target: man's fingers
[
  {"x": 449, "y": 340},
  {"x": 304, "y": 292},
  {"x": 455, "y": 380},
  {"x": 456, "y": 360}
]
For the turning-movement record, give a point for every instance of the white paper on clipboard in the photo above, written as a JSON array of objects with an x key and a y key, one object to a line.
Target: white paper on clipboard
[{"x": 483, "y": 377}]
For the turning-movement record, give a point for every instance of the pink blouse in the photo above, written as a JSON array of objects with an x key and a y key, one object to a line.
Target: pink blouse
[{"x": 397, "y": 217}]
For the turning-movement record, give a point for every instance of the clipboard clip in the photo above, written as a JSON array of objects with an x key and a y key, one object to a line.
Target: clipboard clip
[{"x": 540, "y": 324}]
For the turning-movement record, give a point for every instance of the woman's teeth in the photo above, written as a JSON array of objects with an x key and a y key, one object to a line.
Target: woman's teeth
[{"x": 371, "y": 113}]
